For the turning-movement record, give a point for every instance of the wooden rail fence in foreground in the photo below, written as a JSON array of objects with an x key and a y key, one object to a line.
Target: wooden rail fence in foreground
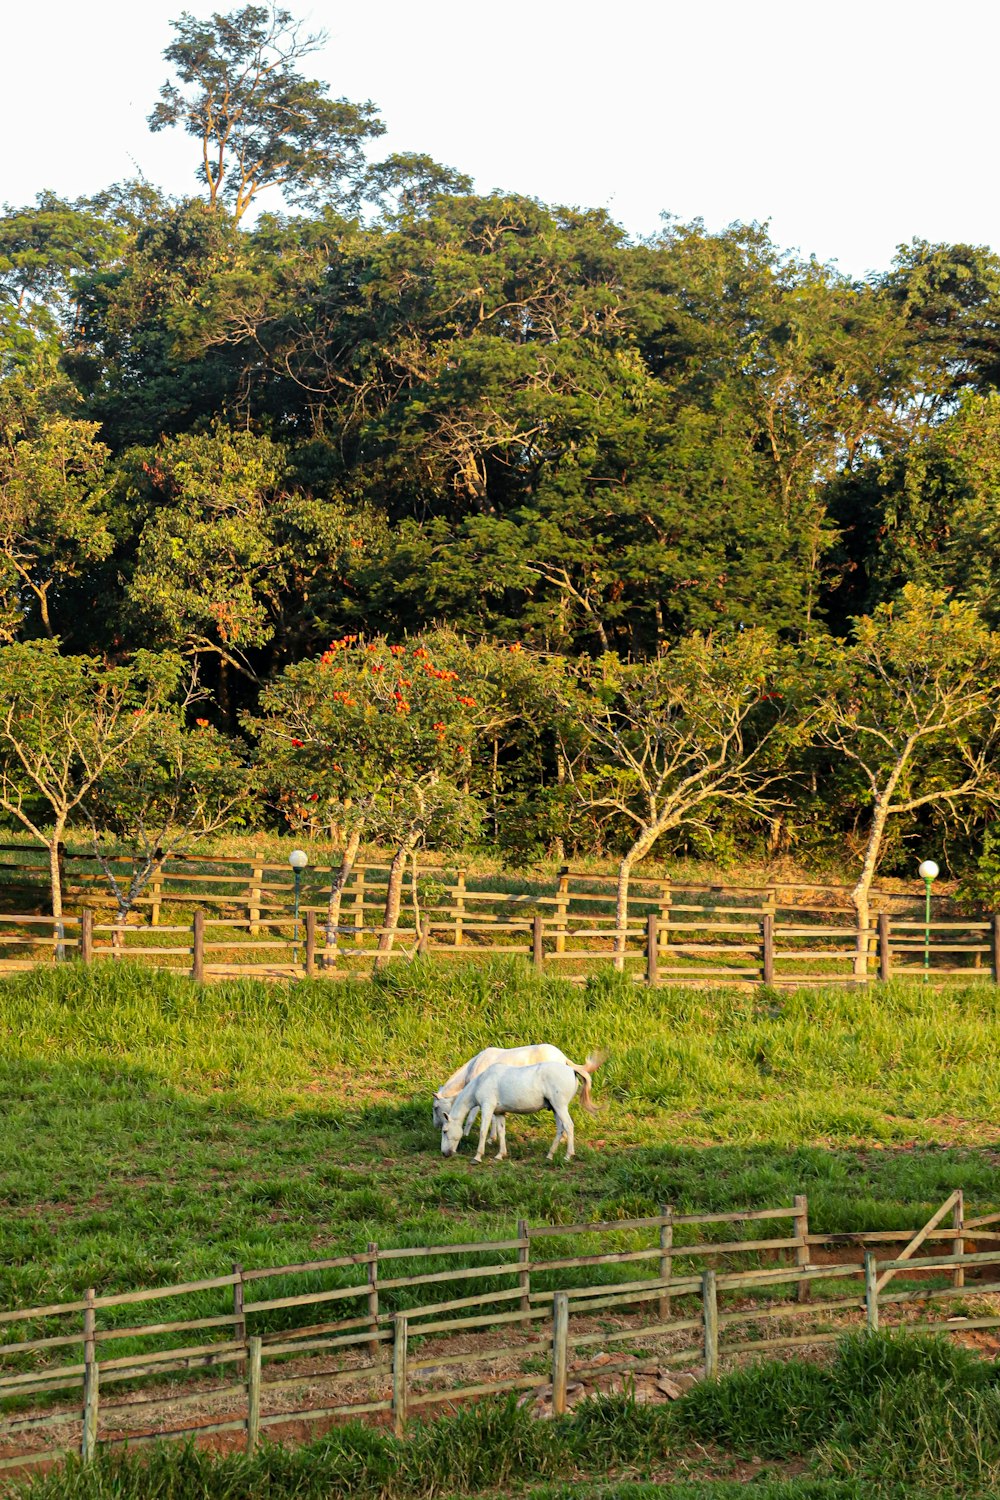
[{"x": 385, "y": 1350}]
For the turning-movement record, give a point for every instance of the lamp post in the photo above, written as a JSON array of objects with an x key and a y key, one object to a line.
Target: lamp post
[
  {"x": 929, "y": 872},
  {"x": 298, "y": 859}
]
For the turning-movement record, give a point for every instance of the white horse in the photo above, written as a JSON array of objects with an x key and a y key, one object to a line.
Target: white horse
[
  {"x": 501, "y": 1090},
  {"x": 515, "y": 1057}
]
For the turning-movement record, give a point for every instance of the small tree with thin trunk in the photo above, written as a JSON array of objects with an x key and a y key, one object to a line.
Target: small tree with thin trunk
[
  {"x": 65, "y": 723},
  {"x": 377, "y": 737},
  {"x": 173, "y": 789},
  {"x": 913, "y": 704},
  {"x": 656, "y": 745}
]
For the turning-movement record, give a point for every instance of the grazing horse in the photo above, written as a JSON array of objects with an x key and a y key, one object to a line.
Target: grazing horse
[
  {"x": 501, "y": 1090},
  {"x": 515, "y": 1057}
]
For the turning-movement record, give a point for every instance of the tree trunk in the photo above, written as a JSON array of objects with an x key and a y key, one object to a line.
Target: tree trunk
[
  {"x": 861, "y": 891},
  {"x": 641, "y": 847},
  {"x": 118, "y": 935},
  {"x": 55, "y": 875},
  {"x": 225, "y": 701},
  {"x": 393, "y": 899},
  {"x": 337, "y": 885},
  {"x": 55, "y": 886},
  {"x": 558, "y": 843}
]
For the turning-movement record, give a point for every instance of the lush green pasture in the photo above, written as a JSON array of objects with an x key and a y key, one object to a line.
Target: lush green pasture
[
  {"x": 155, "y": 1131},
  {"x": 888, "y": 1417}
]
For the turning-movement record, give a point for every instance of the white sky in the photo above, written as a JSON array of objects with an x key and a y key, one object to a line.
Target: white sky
[{"x": 850, "y": 127}]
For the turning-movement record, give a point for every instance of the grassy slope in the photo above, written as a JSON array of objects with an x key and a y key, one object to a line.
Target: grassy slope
[{"x": 154, "y": 1131}]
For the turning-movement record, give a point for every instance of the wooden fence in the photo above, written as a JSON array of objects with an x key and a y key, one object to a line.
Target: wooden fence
[
  {"x": 791, "y": 950},
  {"x": 530, "y": 1316},
  {"x": 218, "y": 918}
]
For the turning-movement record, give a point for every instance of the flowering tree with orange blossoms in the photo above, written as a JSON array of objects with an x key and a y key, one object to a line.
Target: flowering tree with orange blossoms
[{"x": 379, "y": 735}]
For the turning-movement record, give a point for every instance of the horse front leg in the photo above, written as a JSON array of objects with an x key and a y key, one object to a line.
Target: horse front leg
[
  {"x": 500, "y": 1126},
  {"x": 484, "y": 1130}
]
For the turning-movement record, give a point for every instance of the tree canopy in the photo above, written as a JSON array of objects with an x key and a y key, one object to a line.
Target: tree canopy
[{"x": 332, "y": 397}]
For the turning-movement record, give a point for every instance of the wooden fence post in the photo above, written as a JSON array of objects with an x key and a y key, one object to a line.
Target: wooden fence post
[
  {"x": 459, "y": 907},
  {"x": 767, "y": 937},
  {"x": 255, "y": 893},
  {"x": 310, "y": 944},
  {"x": 652, "y": 948},
  {"x": 375, "y": 1346},
  {"x": 253, "y": 1393},
  {"x": 198, "y": 947},
  {"x": 995, "y": 944},
  {"x": 91, "y": 1380},
  {"x": 87, "y": 935},
  {"x": 399, "y": 1373},
  {"x": 958, "y": 1244},
  {"x": 537, "y": 941},
  {"x": 871, "y": 1291},
  {"x": 666, "y": 1256},
  {"x": 524, "y": 1259},
  {"x": 884, "y": 950},
  {"x": 801, "y": 1223},
  {"x": 710, "y": 1323},
  {"x": 560, "y": 1351},
  {"x": 359, "y": 905},
  {"x": 562, "y": 906},
  {"x": 239, "y": 1317},
  {"x": 156, "y": 895},
  {"x": 666, "y": 899}
]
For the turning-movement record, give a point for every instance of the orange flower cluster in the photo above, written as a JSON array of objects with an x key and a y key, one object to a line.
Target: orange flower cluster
[
  {"x": 339, "y": 645},
  {"x": 341, "y": 696},
  {"x": 467, "y": 702}
]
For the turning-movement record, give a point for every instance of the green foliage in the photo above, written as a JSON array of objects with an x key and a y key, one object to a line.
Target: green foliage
[{"x": 53, "y": 488}]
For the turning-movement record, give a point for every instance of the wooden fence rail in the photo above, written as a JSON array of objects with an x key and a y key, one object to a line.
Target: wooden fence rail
[{"x": 393, "y": 1359}]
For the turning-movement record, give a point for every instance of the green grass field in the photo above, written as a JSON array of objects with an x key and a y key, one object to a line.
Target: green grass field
[{"x": 155, "y": 1131}]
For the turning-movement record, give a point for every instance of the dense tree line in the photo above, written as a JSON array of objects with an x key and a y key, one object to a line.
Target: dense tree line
[{"x": 383, "y": 409}]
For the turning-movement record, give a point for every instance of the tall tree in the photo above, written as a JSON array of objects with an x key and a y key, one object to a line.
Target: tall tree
[{"x": 259, "y": 122}]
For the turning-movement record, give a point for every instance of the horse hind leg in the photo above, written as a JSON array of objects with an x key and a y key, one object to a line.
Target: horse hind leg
[
  {"x": 565, "y": 1122},
  {"x": 559, "y": 1131},
  {"x": 500, "y": 1128}
]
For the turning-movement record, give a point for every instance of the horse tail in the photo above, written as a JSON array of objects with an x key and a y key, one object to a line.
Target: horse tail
[{"x": 585, "y": 1071}]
